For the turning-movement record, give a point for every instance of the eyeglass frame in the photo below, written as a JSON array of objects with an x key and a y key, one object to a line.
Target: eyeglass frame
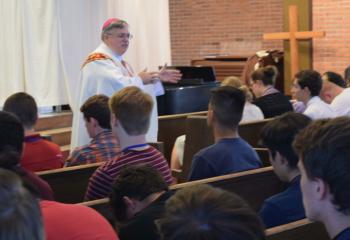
[{"x": 129, "y": 36}]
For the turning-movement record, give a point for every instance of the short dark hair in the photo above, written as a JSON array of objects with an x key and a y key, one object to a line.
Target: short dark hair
[
  {"x": 227, "y": 104},
  {"x": 97, "y": 107},
  {"x": 335, "y": 78},
  {"x": 20, "y": 216},
  {"x": 24, "y": 107},
  {"x": 324, "y": 149},
  {"x": 267, "y": 75},
  {"x": 11, "y": 132},
  {"x": 278, "y": 135},
  {"x": 137, "y": 182},
  {"x": 203, "y": 212},
  {"x": 310, "y": 79}
]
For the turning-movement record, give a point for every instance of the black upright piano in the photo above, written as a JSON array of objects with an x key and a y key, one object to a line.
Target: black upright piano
[{"x": 191, "y": 93}]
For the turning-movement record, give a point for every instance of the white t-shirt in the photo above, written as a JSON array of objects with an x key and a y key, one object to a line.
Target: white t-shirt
[
  {"x": 318, "y": 109},
  {"x": 341, "y": 103},
  {"x": 251, "y": 112}
]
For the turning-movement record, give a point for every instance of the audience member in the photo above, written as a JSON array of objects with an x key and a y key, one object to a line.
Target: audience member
[
  {"x": 203, "y": 212},
  {"x": 335, "y": 93},
  {"x": 138, "y": 198},
  {"x": 278, "y": 136},
  {"x": 39, "y": 154},
  {"x": 20, "y": 217},
  {"x": 104, "y": 146},
  {"x": 230, "y": 153},
  {"x": 306, "y": 88},
  {"x": 74, "y": 222},
  {"x": 130, "y": 118},
  {"x": 11, "y": 146},
  {"x": 251, "y": 112},
  {"x": 324, "y": 152},
  {"x": 269, "y": 99}
]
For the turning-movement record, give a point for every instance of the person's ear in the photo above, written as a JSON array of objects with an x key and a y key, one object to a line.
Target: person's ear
[
  {"x": 321, "y": 189},
  {"x": 94, "y": 122},
  {"x": 307, "y": 90},
  {"x": 281, "y": 159},
  {"x": 114, "y": 120},
  {"x": 129, "y": 203},
  {"x": 210, "y": 115}
]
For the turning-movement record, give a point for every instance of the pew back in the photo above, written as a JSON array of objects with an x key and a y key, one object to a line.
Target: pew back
[
  {"x": 69, "y": 184},
  {"x": 302, "y": 229},
  {"x": 170, "y": 127},
  {"x": 254, "y": 186}
]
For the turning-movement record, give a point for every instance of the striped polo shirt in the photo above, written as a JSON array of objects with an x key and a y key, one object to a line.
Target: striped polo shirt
[{"x": 101, "y": 182}]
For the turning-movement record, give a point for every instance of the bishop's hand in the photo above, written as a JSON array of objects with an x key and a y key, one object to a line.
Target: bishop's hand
[
  {"x": 169, "y": 75},
  {"x": 148, "y": 77}
]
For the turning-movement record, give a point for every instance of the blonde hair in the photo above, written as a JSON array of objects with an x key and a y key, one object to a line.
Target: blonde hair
[
  {"x": 237, "y": 83},
  {"x": 133, "y": 109}
]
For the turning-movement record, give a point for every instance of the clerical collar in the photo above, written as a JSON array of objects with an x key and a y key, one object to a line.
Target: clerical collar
[
  {"x": 110, "y": 52},
  {"x": 118, "y": 57}
]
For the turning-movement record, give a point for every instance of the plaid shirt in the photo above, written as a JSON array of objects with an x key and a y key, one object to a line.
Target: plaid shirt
[{"x": 103, "y": 147}]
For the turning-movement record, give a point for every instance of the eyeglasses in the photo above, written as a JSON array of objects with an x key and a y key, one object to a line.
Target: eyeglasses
[{"x": 122, "y": 35}]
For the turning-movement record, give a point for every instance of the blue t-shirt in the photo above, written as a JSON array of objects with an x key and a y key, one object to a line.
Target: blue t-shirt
[
  {"x": 227, "y": 156},
  {"x": 284, "y": 207},
  {"x": 343, "y": 235}
]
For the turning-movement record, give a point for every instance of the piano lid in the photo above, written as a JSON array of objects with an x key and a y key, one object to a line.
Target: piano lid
[{"x": 195, "y": 75}]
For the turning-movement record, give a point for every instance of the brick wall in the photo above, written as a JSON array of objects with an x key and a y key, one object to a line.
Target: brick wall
[
  {"x": 332, "y": 53},
  {"x": 222, "y": 27},
  {"x": 235, "y": 27}
]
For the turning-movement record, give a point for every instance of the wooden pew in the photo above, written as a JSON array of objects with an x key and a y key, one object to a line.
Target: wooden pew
[
  {"x": 199, "y": 136},
  {"x": 264, "y": 156},
  {"x": 254, "y": 186},
  {"x": 172, "y": 126},
  {"x": 58, "y": 127},
  {"x": 303, "y": 229},
  {"x": 69, "y": 184}
]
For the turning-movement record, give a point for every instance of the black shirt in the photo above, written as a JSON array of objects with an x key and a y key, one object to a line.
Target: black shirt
[
  {"x": 273, "y": 104},
  {"x": 142, "y": 225}
]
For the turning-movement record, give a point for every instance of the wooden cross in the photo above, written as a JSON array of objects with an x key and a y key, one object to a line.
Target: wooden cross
[{"x": 293, "y": 35}]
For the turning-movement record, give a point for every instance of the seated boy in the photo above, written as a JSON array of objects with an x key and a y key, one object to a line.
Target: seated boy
[
  {"x": 278, "y": 136},
  {"x": 130, "y": 118},
  {"x": 38, "y": 154},
  {"x": 324, "y": 152},
  {"x": 203, "y": 212},
  {"x": 230, "y": 153},
  {"x": 104, "y": 146},
  {"x": 138, "y": 198}
]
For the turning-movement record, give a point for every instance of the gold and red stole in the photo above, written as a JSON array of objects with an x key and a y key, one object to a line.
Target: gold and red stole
[
  {"x": 101, "y": 56},
  {"x": 96, "y": 56}
]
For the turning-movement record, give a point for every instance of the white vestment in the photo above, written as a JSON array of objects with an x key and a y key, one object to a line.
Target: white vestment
[{"x": 106, "y": 77}]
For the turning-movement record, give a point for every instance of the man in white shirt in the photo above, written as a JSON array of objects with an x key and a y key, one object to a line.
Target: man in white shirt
[
  {"x": 105, "y": 72},
  {"x": 306, "y": 88},
  {"x": 335, "y": 93}
]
